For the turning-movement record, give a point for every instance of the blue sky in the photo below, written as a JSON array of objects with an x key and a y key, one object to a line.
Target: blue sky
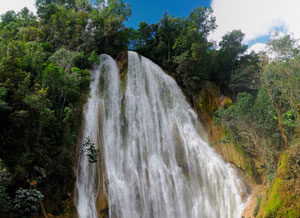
[{"x": 152, "y": 11}]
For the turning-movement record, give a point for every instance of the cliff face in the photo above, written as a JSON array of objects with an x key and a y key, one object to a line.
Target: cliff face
[
  {"x": 219, "y": 134},
  {"x": 220, "y": 139},
  {"x": 281, "y": 198}
]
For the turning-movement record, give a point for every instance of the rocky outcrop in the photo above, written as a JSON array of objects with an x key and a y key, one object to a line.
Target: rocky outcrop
[
  {"x": 279, "y": 199},
  {"x": 219, "y": 135}
]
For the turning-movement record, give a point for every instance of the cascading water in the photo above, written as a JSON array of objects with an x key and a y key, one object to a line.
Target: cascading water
[
  {"x": 88, "y": 173},
  {"x": 156, "y": 162}
]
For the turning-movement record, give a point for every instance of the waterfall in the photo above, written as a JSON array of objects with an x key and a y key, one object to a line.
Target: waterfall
[
  {"x": 88, "y": 174},
  {"x": 156, "y": 162}
]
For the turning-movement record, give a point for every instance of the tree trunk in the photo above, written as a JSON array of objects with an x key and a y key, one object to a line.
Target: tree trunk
[
  {"x": 43, "y": 210},
  {"x": 286, "y": 142}
]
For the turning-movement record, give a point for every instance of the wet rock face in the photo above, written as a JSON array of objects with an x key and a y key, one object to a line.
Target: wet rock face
[
  {"x": 210, "y": 100},
  {"x": 102, "y": 205},
  {"x": 122, "y": 62}
]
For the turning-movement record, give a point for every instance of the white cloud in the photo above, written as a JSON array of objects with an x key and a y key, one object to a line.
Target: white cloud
[
  {"x": 255, "y": 18},
  {"x": 257, "y": 47},
  {"x": 16, "y": 5}
]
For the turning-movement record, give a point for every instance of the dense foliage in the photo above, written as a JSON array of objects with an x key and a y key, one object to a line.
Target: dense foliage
[
  {"x": 44, "y": 82},
  {"x": 181, "y": 47},
  {"x": 27, "y": 202},
  {"x": 267, "y": 123}
]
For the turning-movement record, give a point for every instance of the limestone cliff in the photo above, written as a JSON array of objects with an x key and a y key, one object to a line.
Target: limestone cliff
[
  {"x": 219, "y": 134},
  {"x": 281, "y": 198}
]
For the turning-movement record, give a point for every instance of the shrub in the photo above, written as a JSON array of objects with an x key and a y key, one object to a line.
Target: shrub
[
  {"x": 92, "y": 152},
  {"x": 26, "y": 202},
  {"x": 4, "y": 201},
  {"x": 94, "y": 58}
]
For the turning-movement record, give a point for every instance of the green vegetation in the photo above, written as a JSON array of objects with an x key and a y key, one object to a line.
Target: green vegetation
[
  {"x": 44, "y": 83},
  {"x": 27, "y": 202},
  {"x": 4, "y": 201},
  {"x": 266, "y": 122},
  {"x": 92, "y": 152},
  {"x": 181, "y": 47},
  {"x": 283, "y": 197}
]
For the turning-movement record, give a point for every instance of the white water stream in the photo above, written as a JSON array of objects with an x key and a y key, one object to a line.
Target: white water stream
[{"x": 156, "y": 163}]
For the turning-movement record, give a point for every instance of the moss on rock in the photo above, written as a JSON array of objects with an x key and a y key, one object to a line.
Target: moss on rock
[{"x": 283, "y": 196}]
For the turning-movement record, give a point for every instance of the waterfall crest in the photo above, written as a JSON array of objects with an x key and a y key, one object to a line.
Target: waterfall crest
[{"x": 156, "y": 162}]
